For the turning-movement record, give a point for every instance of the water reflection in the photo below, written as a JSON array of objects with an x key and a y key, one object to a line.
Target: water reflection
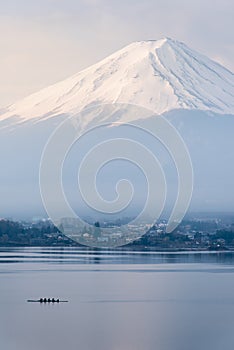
[{"x": 95, "y": 256}]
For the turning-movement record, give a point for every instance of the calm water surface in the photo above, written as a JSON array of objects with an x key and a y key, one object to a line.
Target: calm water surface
[{"x": 117, "y": 300}]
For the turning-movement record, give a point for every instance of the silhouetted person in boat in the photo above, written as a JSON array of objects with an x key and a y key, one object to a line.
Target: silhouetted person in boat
[{"x": 45, "y": 300}]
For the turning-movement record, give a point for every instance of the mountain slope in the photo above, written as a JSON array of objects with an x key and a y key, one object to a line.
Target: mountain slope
[
  {"x": 160, "y": 75},
  {"x": 164, "y": 76}
]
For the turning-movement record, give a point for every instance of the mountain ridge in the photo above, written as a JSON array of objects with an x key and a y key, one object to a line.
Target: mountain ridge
[{"x": 160, "y": 75}]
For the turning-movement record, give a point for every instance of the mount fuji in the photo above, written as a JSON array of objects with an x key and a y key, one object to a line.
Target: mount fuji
[
  {"x": 160, "y": 75},
  {"x": 166, "y": 77}
]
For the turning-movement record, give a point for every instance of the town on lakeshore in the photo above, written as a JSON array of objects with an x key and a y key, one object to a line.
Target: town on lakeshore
[{"x": 210, "y": 232}]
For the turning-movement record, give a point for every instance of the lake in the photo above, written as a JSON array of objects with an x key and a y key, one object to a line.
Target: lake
[{"x": 118, "y": 300}]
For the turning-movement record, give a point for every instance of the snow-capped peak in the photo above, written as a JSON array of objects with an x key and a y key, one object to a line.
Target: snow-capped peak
[{"x": 160, "y": 75}]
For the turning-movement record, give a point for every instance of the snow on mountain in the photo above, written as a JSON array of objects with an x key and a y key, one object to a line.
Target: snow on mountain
[
  {"x": 164, "y": 76},
  {"x": 160, "y": 75}
]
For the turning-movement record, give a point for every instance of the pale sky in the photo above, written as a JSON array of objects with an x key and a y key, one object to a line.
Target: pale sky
[{"x": 45, "y": 41}]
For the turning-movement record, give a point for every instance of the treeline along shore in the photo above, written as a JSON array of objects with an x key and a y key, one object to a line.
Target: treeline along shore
[{"x": 191, "y": 235}]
